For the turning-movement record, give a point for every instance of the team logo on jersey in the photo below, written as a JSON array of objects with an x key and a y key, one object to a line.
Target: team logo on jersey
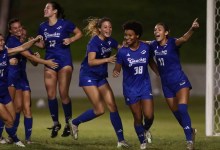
[
  {"x": 133, "y": 61},
  {"x": 89, "y": 81},
  {"x": 48, "y": 35},
  {"x": 60, "y": 27},
  {"x": 105, "y": 50},
  {"x": 109, "y": 42},
  {"x": 143, "y": 52},
  {"x": 4, "y": 63},
  {"x": 157, "y": 52},
  {"x": 128, "y": 55},
  {"x": 45, "y": 29},
  {"x": 4, "y": 56},
  {"x": 182, "y": 83}
]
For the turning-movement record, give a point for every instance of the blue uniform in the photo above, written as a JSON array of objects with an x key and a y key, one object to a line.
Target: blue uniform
[
  {"x": 136, "y": 80},
  {"x": 172, "y": 77},
  {"x": 4, "y": 94},
  {"x": 53, "y": 38},
  {"x": 14, "y": 74},
  {"x": 96, "y": 75}
]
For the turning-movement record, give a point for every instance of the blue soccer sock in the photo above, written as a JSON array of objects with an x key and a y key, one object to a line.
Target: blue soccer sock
[
  {"x": 2, "y": 125},
  {"x": 17, "y": 121},
  {"x": 84, "y": 117},
  {"x": 140, "y": 132},
  {"x": 12, "y": 133},
  {"x": 28, "y": 122},
  {"x": 177, "y": 116},
  {"x": 148, "y": 123},
  {"x": 186, "y": 121},
  {"x": 117, "y": 124},
  {"x": 67, "y": 108},
  {"x": 53, "y": 107}
]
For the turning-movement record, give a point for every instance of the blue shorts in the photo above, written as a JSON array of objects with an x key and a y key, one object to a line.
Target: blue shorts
[
  {"x": 5, "y": 97},
  {"x": 134, "y": 99},
  {"x": 14, "y": 80},
  {"x": 170, "y": 89},
  {"x": 89, "y": 81},
  {"x": 25, "y": 83}
]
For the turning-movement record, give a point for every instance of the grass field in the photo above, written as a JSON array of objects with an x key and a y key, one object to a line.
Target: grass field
[{"x": 98, "y": 134}]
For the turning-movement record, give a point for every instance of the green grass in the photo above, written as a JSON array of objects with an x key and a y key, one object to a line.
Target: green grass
[{"x": 98, "y": 134}]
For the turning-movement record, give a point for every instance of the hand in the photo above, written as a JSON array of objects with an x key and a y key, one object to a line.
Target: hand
[
  {"x": 39, "y": 37},
  {"x": 111, "y": 59},
  {"x": 195, "y": 24},
  {"x": 67, "y": 41},
  {"x": 13, "y": 61},
  {"x": 52, "y": 64},
  {"x": 115, "y": 74},
  {"x": 37, "y": 54}
]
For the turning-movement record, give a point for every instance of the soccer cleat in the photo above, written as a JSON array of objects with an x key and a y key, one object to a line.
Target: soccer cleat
[
  {"x": 66, "y": 131},
  {"x": 20, "y": 144},
  {"x": 189, "y": 145},
  {"x": 29, "y": 142},
  {"x": 122, "y": 144},
  {"x": 55, "y": 130},
  {"x": 148, "y": 136},
  {"x": 2, "y": 140},
  {"x": 143, "y": 146},
  {"x": 194, "y": 131},
  {"x": 73, "y": 130},
  {"x": 9, "y": 140}
]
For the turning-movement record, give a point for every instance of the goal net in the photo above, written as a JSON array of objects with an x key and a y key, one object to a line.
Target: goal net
[{"x": 213, "y": 68}]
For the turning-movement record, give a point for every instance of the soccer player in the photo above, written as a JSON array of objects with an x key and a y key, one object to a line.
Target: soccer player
[
  {"x": 14, "y": 75},
  {"x": 175, "y": 84},
  {"x": 93, "y": 74},
  {"x": 7, "y": 112},
  {"x": 56, "y": 32},
  {"x": 134, "y": 59}
]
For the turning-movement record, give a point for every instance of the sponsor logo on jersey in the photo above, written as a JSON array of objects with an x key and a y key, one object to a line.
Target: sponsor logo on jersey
[
  {"x": 182, "y": 83},
  {"x": 128, "y": 54},
  {"x": 4, "y": 63},
  {"x": 60, "y": 27},
  {"x": 89, "y": 81},
  {"x": 143, "y": 52}
]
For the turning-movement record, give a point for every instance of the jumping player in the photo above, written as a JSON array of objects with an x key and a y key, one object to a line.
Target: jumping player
[
  {"x": 93, "y": 74},
  {"x": 175, "y": 84},
  {"x": 56, "y": 32},
  {"x": 134, "y": 59}
]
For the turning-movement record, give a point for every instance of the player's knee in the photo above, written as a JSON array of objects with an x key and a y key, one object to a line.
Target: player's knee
[
  {"x": 9, "y": 122},
  {"x": 100, "y": 111}
]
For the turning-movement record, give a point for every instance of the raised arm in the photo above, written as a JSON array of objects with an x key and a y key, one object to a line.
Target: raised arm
[
  {"x": 23, "y": 47},
  {"x": 188, "y": 34}
]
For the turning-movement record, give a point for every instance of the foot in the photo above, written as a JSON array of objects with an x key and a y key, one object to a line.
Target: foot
[
  {"x": 66, "y": 131},
  {"x": 148, "y": 136},
  {"x": 189, "y": 145},
  {"x": 20, "y": 144},
  {"x": 73, "y": 130},
  {"x": 9, "y": 140},
  {"x": 143, "y": 146},
  {"x": 28, "y": 142},
  {"x": 122, "y": 144},
  {"x": 55, "y": 130},
  {"x": 2, "y": 140}
]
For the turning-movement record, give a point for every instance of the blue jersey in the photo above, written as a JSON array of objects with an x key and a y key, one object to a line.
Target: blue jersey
[
  {"x": 136, "y": 80},
  {"x": 12, "y": 42},
  {"x": 172, "y": 77},
  {"x": 3, "y": 70},
  {"x": 53, "y": 39},
  {"x": 102, "y": 49}
]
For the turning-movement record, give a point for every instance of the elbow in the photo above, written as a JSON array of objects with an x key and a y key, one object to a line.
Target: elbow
[{"x": 90, "y": 63}]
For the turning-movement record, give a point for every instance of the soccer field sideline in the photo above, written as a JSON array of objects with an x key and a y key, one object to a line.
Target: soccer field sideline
[{"x": 195, "y": 72}]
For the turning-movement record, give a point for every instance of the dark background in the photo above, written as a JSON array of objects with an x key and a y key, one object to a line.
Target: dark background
[{"x": 178, "y": 14}]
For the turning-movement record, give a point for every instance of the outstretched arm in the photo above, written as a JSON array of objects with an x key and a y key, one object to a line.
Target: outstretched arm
[
  {"x": 23, "y": 47},
  {"x": 188, "y": 34}
]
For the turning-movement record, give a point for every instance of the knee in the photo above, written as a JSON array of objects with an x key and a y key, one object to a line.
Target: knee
[
  {"x": 27, "y": 112},
  {"x": 9, "y": 122},
  {"x": 99, "y": 111},
  {"x": 18, "y": 108}
]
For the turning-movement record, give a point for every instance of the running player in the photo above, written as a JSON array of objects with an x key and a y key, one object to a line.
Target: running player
[
  {"x": 56, "y": 32},
  {"x": 134, "y": 59},
  {"x": 93, "y": 74},
  {"x": 175, "y": 84}
]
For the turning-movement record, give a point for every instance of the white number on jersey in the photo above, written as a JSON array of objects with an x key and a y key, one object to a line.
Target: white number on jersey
[
  {"x": 138, "y": 70},
  {"x": 52, "y": 43},
  {"x": 161, "y": 60},
  {"x": 1, "y": 72}
]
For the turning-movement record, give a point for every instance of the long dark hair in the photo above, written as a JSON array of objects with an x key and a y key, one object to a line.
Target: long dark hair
[{"x": 60, "y": 10}]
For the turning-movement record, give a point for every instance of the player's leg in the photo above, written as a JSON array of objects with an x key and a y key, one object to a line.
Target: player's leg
[
  {"x": 50, "y": 79},
  {"x": 64, "y": 79},
  {"x": 115, "y": 118},
  {"x": 95, "y": 98},
  {"x": 148, "y": 111},
  {"x": 28, "y": 120},
  {"x": 18, "y": 104}
]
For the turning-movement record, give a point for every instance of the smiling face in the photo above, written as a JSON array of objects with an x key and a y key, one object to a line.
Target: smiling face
[
  {"x": 16, "y": 29},
  {"x": 160, "y": 33},
  {"x": 106, "y": 29},
  {"x": 49, "y": 11},
  {"x": 130, "y": 37},
  {"x": 2, "y": 42}
]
